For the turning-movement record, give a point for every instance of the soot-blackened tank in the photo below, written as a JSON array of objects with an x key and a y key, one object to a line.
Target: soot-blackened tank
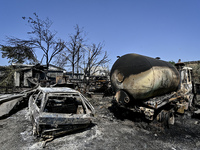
[{"x": 143, "y": 77}]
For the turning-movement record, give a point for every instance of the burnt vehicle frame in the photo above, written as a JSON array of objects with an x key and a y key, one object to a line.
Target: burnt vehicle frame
[
  {"x": 58, "y": 110},
  {"x": 152, "y": 87}
]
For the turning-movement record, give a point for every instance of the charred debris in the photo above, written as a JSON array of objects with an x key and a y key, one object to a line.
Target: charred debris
[
  {"x": 154, "y": 88},
  {"x": 55, "y": 111},
  {"x": 19, "y": 77},
  {"x": 57, "y": 101}
]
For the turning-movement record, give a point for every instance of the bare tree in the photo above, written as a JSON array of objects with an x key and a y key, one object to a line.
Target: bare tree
[
  {"x": 94, "y": 59},
  {"x": 42, "y": 38},
  {"x": 61, "y": 59},
  {"x": 76, "y": 52},
  {"x": 73, "y": 52}
]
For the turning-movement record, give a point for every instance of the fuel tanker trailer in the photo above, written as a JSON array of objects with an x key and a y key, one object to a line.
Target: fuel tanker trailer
[{"x": 149, "y": 85}]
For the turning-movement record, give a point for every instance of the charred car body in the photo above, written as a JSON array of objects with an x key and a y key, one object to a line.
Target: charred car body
[
  {"x": 58, "y": 110},
  {"x": 151, "y": 86}
]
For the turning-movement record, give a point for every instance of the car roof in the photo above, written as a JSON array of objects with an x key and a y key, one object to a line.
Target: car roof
[{"x": 57, "y": 90}]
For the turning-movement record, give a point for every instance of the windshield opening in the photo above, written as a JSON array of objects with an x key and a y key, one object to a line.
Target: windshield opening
[{"x": 64, "y": 103}]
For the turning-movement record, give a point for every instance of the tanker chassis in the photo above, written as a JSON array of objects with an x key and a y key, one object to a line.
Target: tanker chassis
[{"x": 153, "y": 87}]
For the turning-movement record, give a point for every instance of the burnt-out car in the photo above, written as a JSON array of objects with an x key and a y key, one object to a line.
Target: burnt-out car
[{"x": 58, "y": 110}]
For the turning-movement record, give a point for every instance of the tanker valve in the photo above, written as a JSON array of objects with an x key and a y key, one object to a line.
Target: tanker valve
[{"x": 122, "y": 97}]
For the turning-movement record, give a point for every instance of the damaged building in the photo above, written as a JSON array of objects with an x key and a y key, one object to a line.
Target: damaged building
[{"x": 30, "y": 75}]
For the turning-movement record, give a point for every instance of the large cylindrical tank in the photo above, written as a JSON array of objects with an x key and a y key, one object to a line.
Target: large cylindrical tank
[{"x": 143, "y": 77}]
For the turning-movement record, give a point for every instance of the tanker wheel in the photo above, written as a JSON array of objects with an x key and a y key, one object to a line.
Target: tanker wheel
[
  {"x": 171, "y": 118},
  {"x": 166, "y": 117}
]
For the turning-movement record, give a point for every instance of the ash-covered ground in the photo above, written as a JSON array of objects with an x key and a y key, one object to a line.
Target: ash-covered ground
[{"x": 111, "y": 130}]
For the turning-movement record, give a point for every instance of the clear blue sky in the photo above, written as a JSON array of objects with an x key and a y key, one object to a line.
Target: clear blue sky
[{"x": 169, "y": 29}]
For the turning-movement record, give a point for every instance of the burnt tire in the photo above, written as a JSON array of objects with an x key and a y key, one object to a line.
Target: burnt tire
[
  {"x": 171, "y": 119},
  {"x": 166, "y": 117}
]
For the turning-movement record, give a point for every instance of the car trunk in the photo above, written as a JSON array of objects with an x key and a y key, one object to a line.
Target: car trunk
[{"x": 54, "y": 124}]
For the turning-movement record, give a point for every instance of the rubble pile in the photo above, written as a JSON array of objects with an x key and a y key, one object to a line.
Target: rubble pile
[{"x": 108, "y": 131}]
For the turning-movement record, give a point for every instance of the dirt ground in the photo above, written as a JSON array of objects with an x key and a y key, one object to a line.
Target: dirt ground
[{"x": 111, "y": 130}]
